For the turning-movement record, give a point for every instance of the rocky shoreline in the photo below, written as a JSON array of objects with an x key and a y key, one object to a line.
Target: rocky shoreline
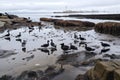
[
  {"x": 102, "y": 69},
  {"x": 13, "y": 21}
]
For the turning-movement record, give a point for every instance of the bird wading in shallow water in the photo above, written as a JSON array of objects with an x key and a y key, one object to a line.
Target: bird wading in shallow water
[
  {"x": 105, "y": 44},
  {"x": 64, "y": 47},
  {"x": 81, "y": 38},
  {"x": 73, "y": 47},
  {"x": 45, "y": 45},
  {"x": 88, "y": 48}
]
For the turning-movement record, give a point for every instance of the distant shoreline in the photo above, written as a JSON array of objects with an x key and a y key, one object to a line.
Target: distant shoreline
[{"x": 95, "y": 16}]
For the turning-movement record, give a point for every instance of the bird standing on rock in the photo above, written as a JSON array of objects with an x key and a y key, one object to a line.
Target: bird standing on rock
[
  {"x": 88, "y": 48},
  {"x": 105, "y": 44},
  {"x": 45, "y": 45},
  {"x": 64, "y": 47}
]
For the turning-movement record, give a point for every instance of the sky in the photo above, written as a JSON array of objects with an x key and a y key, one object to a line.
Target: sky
[{"x": 54, "y": 5}]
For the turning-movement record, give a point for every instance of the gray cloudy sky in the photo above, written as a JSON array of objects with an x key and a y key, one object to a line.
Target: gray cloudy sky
[{"x": 44, "y": 5}]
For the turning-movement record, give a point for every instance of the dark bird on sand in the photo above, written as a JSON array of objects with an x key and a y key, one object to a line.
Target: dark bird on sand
[
  {"x": 45, "y": 45},
  {"x": 73, "y": 47},
  {"x": 105, "y": 44},
  {"x": 88, "y": 48},
  {"x": 64, "y": 47},
  {"x": 81, "y": 38}
]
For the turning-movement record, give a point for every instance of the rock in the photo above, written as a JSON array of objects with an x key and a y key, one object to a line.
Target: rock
[
  {"x": 117, "y": 75},
  {"x": 2, "y": 24},
  {"x": 6, "y": 53},
  {"x": 104, "y": 71},
  {"x": 6, "y": 77},
  {"x": 69, "y": 23},
  {"x": 108, "y": 28},
  {"x": 32, "y": 74}
]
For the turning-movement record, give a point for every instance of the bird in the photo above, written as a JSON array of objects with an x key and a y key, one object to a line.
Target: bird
[
  {"x": 52, "y": 43},
  {"x": 81, "y": 43},
  {"x": 105, "y": 44},
  {"x": 24, "y": 49},
  {"x": 23, "y": 43},
  {"x": 19, "y": 40},
  {"x": 45, "y": 45},
  {"x": 81, "y": 38},
  {"x": 88, "y": 48},
  {"x": 18, "y": 35},
  {"x": 73, "y": 47},
  {"x": 75, "y": 36},
  {"x": 7, "y": 38},
  {"x": 104, "y": 50},
  {"x": 64, "y": 47}
]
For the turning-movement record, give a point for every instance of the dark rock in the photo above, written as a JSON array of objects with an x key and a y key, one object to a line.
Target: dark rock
[
  {"x": 6, "y": 77},
  {"x": 108, "y": 28},
  {"x": 32, "y": 74},
  {"x": 69, "y": 23}
]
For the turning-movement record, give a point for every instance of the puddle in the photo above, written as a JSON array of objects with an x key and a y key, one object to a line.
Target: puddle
[{"x": 29, "y": 55}]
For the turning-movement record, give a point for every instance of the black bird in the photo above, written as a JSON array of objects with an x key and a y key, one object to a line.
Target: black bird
[
  {"x": 73, "y": 47},
  {"x": 45, "y": 45},
  {"x": 18, "y": 35},
  {"x": 19, "y": 40},
  {"x": 24, "y": 49},
  {"x": 88, "y": 48},
  {"x": 75, "y": 36},
  {"x": 7, "y": 38},
  {"x": 81, "y": 43},
  {"x": 104, "y": 50},
  {"x": 52, "y": 43},
  {"x": 23, "y": 43},
  {"x": 64, "y": 47},
  {"x": 81, "y": 38},
  {"x": 105, "y": 44}
]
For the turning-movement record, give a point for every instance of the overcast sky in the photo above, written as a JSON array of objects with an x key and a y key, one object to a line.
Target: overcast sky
[{"x": 47, "y": 5}]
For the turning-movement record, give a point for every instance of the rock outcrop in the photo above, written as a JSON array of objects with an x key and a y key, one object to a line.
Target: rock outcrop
[
  {"x": 68, "y": 23},
  {"x": 108, "y": 28},
  {"x": 109, "y": 70}
]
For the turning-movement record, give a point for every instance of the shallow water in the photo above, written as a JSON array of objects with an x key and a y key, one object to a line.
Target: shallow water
[{"x": 33, "y": 58}]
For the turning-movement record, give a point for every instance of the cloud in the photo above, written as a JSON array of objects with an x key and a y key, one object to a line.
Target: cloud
[{"x": 58, "y": 5}]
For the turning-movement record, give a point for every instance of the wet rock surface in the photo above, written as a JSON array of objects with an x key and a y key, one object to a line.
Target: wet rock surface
[
  {"x": 48, "y": 74},
  {"x": 6, "y": 53}
]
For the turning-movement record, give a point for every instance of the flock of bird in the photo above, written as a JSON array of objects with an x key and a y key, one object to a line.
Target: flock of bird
[
  {"x": 73, "y": 47},
  {"x": 53, "y": 48}
]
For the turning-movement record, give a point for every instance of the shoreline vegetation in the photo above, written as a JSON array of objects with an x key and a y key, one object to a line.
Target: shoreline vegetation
[{"x": 103, "y": 70}]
